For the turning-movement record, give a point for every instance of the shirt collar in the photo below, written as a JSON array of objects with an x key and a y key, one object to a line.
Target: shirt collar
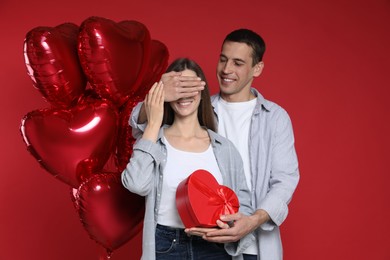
[{"x": 260, "y": 103}]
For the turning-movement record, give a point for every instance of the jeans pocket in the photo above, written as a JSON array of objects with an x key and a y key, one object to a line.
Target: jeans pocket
[{"x": 165, "y": 242}]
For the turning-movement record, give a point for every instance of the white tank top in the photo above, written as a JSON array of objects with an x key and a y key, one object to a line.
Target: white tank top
[{"x": 180, "y": 164}]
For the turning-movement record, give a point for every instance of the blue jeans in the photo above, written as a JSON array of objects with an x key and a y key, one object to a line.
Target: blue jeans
[
  {"x": 250, "y": 257},
  {"x": 174, "y": 243}
]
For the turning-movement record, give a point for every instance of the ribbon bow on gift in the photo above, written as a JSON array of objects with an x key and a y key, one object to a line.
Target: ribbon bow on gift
[
  {"x": 201, "y": 200},
  {"x": 222, "y": 197}
]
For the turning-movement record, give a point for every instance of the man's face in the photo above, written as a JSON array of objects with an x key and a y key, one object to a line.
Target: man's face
[{"x": 235, "y": 72}]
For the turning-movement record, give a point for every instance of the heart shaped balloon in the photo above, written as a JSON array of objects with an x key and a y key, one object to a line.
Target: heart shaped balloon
[
  {"x": 72, "y": 144},
  {"x": 200, "y": 200},
  {"x": 113, "y": 56},
  {"x": 125, "y": 146},
  {"x": 86, "y": 132},
  {"x": 156, "y": 66},
  {"x": 109, "y": 213},
  {"x": 52, "y": 62}
]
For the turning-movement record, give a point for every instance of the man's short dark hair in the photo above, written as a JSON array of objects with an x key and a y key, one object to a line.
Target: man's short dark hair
[{"x": 252, "y": 39}]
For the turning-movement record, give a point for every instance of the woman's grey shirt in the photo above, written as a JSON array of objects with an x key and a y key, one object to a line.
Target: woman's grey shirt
[{"x": 144, "y": 175}]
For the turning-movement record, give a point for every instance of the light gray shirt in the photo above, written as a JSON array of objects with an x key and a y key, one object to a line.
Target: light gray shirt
[
  {"x": 144, "y": 174},
  {"x": 274, "y": 170}
]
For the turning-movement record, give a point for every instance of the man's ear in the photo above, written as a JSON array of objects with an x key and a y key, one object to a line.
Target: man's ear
[{"x": 258, "y": 69}]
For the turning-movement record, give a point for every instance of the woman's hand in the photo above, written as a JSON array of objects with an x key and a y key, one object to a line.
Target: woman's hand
[{"x": 154, "y": 108}]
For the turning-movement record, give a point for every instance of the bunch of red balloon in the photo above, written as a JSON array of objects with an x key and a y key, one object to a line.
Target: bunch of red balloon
[{"x": 92, "y": 76}]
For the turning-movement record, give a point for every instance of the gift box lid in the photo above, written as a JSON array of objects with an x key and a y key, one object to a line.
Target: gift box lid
[{"x": 201, "y": 200}]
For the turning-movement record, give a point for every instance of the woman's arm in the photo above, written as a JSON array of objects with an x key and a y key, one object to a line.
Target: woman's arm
[{"x": 139, "y": 172}]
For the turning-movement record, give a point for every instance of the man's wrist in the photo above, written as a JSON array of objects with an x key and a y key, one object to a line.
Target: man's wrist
[{"x": 260, "y": 217}]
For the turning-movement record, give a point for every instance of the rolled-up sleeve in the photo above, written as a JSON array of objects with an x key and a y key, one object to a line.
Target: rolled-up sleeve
[
  {"x": 139, "y": 173},
  {"x": 284, "y": 173},
  {"x": 137, "y": 129}
]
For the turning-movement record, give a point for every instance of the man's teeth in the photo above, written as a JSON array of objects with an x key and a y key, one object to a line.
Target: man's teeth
[{"x": 228, "y": 80}]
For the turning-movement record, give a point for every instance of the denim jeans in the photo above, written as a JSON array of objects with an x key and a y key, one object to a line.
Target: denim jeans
[
  {"x": 174, "y": 243},
  {"x": 249, "y": 257}
]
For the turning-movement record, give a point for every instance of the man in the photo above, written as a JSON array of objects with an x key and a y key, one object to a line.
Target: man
[{"x": 262, "y": 132}]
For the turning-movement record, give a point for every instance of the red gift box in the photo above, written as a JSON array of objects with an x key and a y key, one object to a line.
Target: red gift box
[{"x": 200, "y": 200}]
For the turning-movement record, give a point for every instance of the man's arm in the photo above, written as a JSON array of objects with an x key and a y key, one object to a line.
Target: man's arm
[
  {"x": 176, "y": 87},
  {"x": 284, "y": 173},
  {"x": 232, "y": 227}
]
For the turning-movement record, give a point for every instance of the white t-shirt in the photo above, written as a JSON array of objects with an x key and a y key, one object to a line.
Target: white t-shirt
[
  {"x": 234, "y": 120},
  {"x": 180, "y": 164}
]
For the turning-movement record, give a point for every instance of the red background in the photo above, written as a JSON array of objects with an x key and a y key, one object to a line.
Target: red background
[{"x": 327, "y": 63}]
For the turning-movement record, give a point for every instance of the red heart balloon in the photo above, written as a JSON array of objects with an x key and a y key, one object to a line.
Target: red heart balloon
[
  {"x": 72, "y": 144},
  {"x": 113, "y": 55},
  {"x": 125, "y": 146},
  {"x": 110, "y": 214},
  {"x": 200, "y": 200},
  {"x": 156, "y": 66},
  {"x": 52, "y": 63}
]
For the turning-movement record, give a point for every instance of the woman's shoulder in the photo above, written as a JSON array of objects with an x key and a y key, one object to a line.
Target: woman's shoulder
[
  {"x": 225, "y": 150},
  {"x": 219, "y": 139}
]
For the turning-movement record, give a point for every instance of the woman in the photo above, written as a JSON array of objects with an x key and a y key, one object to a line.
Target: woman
[{"x": 179, "y": 139}]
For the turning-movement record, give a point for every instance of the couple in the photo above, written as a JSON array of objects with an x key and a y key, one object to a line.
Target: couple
[{"x": 180, "y": 137}]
